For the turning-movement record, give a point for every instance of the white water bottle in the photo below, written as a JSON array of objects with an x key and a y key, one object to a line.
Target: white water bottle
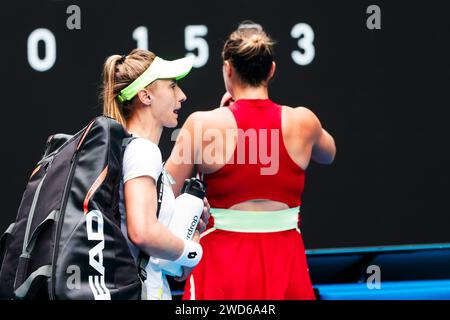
[{"x": 188, "y": 210}]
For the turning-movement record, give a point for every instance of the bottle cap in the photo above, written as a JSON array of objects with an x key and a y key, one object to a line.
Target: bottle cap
[{"x": 195, "y": 187}]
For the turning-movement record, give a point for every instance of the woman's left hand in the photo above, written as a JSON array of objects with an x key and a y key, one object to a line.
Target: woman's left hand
[{"x": 201, "y": 226}]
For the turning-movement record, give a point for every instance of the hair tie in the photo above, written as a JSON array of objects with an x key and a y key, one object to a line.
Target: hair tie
[{"x": 122, "y": 58}]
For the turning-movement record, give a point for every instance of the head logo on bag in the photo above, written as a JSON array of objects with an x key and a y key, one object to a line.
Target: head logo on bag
[{"x": 97, "y": 282}]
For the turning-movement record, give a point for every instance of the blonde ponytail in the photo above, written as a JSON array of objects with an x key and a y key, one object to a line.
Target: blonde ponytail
[
  {"x": 118, "y": 73},
  {"x": 110, "y": 104}
]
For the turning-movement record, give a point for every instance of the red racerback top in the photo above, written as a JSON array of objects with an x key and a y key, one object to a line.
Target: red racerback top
[{"x": 260, "y": 167}]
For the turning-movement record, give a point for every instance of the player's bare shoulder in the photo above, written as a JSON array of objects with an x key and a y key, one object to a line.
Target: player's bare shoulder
[
  {"x": 302, "y": 119},
  {"x": 303, "y": 113},
  {"x": 215, "y": 118}
]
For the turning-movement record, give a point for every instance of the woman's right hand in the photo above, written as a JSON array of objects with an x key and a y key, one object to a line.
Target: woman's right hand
[
  {"x": 201, "y": 226},
  {"x": 227, "y": 100},
  {"x": 187, "y": 270}
]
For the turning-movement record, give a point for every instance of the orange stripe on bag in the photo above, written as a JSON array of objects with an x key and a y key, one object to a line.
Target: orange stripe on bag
[
  {"x": 93, "y": 188},
  {"x": 35, "y": 170},
  {"x": 84, "y": 134}
]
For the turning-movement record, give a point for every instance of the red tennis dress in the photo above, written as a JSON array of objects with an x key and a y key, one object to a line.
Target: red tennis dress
[{"x": 253, "y": 265}]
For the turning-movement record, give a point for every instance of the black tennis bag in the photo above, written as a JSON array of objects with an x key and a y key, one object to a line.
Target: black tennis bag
[{"x": 66, "y": 242}]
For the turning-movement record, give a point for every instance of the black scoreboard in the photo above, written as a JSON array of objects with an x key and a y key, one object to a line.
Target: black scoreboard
[{"x": 375, "y": 72}]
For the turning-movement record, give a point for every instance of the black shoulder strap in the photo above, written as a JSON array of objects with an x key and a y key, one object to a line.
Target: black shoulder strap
[
  {"x": 126, "y": 141},
  {"x": 160, "y": 190}
]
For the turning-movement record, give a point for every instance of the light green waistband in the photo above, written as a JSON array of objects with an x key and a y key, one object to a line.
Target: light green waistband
[{"x": 255, "y": 221}]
